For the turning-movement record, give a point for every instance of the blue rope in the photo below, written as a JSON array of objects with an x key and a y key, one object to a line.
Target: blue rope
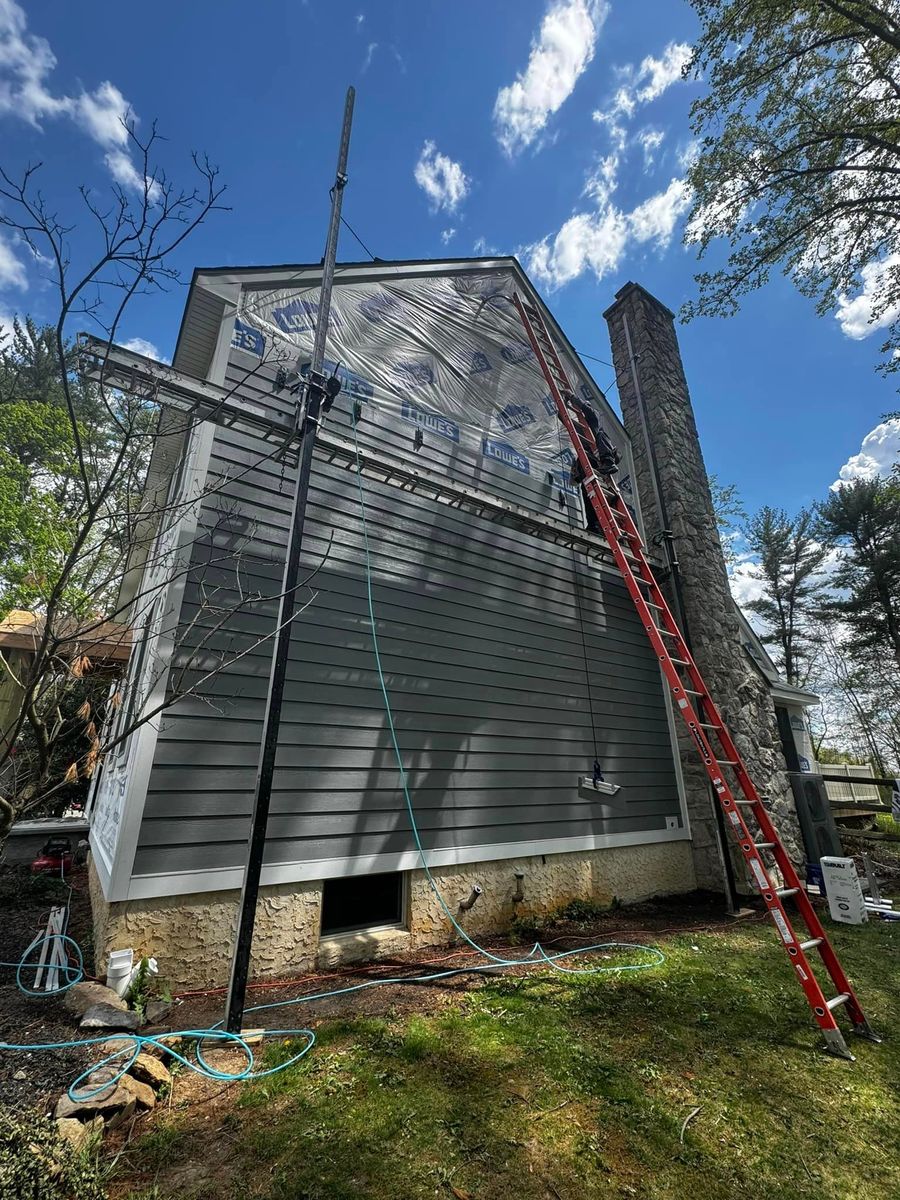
[{"x": 123, "y": 1058}]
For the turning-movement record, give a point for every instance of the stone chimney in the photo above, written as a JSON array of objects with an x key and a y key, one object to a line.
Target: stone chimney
[{"x": 674, "y": 493}]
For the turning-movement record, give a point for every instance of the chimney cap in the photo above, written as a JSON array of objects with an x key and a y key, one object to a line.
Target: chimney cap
[{"x": 626, "y": 290}]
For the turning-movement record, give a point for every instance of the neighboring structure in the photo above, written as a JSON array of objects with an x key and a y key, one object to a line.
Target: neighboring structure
[{"x": 510, "y": 660}]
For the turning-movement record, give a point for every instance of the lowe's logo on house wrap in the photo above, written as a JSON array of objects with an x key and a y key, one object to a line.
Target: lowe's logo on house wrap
[
  {"x": 517, "y": 352},
  {"x": 480, "y": 362},
  {"x": 515, "y": 416},
  {"x": 300, "y": 316},
  {"x": 351, "y": 383},
  {"x": 376, "y": 308},
  {"x": 563, "y": 481},
  {"x": 433, "y": 422},
  {"x": 414, "y": 374},
  {"x": 248, "y": 339},
  {"x": 549, "y": 404},
  {"x": 503, "y": 453}
]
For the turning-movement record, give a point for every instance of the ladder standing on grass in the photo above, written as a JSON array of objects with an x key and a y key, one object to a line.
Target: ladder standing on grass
[{"x": 698, "y": 711}]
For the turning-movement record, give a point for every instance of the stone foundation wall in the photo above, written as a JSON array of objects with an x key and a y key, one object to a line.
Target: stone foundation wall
[
  {"x": 659, "y": 417},
  {"x": 192, "y": 935}
]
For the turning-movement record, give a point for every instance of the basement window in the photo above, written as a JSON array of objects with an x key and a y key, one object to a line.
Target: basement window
[{"x": 360, "y": 902}]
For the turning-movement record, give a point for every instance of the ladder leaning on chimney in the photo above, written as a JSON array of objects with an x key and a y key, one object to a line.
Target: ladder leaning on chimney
[{"x": 739, "y": 800}]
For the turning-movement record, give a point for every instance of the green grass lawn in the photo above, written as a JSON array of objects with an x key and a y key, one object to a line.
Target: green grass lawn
[{"x": 555, "y": 1087}]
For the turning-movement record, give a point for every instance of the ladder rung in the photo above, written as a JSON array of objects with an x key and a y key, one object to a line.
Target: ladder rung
[
  {"x": 680, "y": 662},
  {"x": 741, "y": 800},
  {"x": 691, "y": 692},
  {"x": 837, "y": 1001},
  {"x": 764, "y": 845},
  {"x": 706, "y": 725},
  {"x": 786, "y": 891},
  {"x": 811, "y": 944},
  {"x": 727, "y": 762}
]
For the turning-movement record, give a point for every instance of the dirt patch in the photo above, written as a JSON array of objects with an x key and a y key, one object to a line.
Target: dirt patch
[{"x": 640, "y": 922}]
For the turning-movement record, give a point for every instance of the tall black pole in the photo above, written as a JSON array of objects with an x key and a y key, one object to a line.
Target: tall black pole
[{"x": 311, "y": 407}]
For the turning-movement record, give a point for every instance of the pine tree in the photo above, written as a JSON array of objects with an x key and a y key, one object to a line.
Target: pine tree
[
  {"x": 790, "y": 561},
  {"x": 863, "y": 518}
]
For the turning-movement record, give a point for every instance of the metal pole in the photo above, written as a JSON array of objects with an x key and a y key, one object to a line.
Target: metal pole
[
  {"x": 315, "y": 392},
  {"x": 731, "y": 896}
]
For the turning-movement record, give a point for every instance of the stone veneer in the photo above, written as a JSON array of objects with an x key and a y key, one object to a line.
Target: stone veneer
[
  {"x": 737, "y": 687},
  {"x": 192, "y": 935}
]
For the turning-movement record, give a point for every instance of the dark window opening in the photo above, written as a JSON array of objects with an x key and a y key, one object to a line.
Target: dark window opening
[{"x": 362, "y": 902}]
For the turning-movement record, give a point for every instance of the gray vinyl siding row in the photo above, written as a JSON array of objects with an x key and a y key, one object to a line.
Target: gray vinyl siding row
[{"x": 480, "y": 629}]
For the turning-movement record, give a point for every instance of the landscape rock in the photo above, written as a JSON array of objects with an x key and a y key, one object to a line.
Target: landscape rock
[
  {"x": 150, "y": 1070},
  {"x": 122, "y": 1047},
  {"x": 79, "y": 1134},
  {"x": 105, "y": 1016},
  {"x": 123, "y": 1115},
  {"x": 85, "y": 995},
  {"x": 106, "y": 1104},
  {"x": 143, "y": 1093},
  {"x": 157, "y": 1011}
]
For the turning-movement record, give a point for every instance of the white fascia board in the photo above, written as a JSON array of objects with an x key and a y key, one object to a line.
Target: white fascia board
[
  {"x": 146, "y": 887},
  {"x": 115, "y": 873},
  {"x": 785, "y": 693}
]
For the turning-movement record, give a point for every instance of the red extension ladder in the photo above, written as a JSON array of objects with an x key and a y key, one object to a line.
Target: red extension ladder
[{"x": 696, "y": 707}]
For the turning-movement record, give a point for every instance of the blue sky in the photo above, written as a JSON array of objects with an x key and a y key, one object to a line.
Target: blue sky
[{"x": 553, "y": 129}]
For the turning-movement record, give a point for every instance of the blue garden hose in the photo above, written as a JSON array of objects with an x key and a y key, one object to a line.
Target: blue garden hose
[{"x": 133, "y": 1043}]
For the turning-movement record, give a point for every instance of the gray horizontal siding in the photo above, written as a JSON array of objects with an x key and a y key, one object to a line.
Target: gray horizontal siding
[{"x": 484, "y": 633}]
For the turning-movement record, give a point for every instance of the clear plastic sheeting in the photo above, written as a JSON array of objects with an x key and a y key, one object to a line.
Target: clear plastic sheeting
[{"x": 445, "y": 355}]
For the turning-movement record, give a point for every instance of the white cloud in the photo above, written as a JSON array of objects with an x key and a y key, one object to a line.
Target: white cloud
[
  {"x": 442, "y": 180},
  {"x": 655, "y": 219},
  {"x": 642, "y": 84},
  {"x": 586, "y": 241},
  {"x": 597, "y": 241},
  {"x": 6, "y": 325},
  {"x": 360, "y": 17},
  {"x": 481, "y": 246},
  {"x": 745, "y": 580},
  {"x": 602, "y": 182},
  {"x": 12, "y": 269},
  {"x": 26, "y": 61},
  {"x": 447, "y": 234},
  {"x": 661, "y": 73},
  {"x": 370, "y": 54},
  {"x": 863, "y": 314},
  {"x": 879, "y": 451},
  {"x": 559, "y": 56},
  {"x": 649, "y": 141},
  {"x": 139, "y": 345}
]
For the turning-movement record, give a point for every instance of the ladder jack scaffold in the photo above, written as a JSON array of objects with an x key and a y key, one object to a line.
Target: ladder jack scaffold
[{"x": 739, "y": 800}]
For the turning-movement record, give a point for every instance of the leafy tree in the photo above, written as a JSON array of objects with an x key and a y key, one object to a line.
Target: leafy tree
[
  {"x": 87, "y": 544},
  {"x": 860, "y": 702},
  {"x": 863, "y": 518},
  {"x": 729, "y": 510},
  {"x": 790, "y": 564},
  {"x": 798, "y": 163},
  {"x": 837, "y": 758}
]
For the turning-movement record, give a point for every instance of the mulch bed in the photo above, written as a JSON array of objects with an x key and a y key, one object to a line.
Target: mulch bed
[{"x": 36, "y": 1079}]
